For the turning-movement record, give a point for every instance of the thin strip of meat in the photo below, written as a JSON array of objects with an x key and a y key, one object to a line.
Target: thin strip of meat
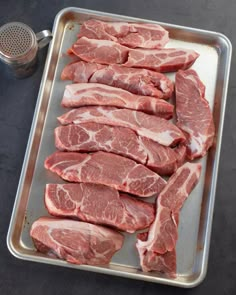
[
  {"x": 163, "y": 233},
  {"x": 86, "y": 94}
]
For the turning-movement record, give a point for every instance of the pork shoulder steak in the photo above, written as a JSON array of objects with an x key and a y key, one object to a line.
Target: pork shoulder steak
[
  {"x": 158, "y": 129},
  {"x": 74, "y": 241},
  {"x": 161, "y": 60},
  {"x": 98, "y": 204},
  {"x": 138, "y": 81},
  {"x": 108, "y": 169},
  {"x": 129, "y": 34},
  {"x": 85, "y": 94},
  {"x": 92, "y": 137},
  {"x": 109, "y": 52}
]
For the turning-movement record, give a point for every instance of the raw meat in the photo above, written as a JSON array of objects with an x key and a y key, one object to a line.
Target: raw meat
[
  {"x": 91, "y": 137},
  {"x": 163, "y": 233},
  {"x": 82, "y": 94},
  {"x": 108, "y": 169},
  {"x": 100, "y": 51},
  {"x": 155, "y": 128},
  {"x": 161, "y": 60},
  {"x": 109, "y": 52},
  {"x": 80, "y": 71},
  {"x": 194, "y": 116},
  {"x": 98, "y": 204},
  {"x": 129, "y": 34},
  {"x": 152, "y": 261},
  {"x": 138, "y": 81},
  {"x": 74, "y": 241}
]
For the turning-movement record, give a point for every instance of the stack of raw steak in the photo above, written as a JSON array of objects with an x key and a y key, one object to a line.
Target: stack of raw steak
[{"x": 116, "y": 143}]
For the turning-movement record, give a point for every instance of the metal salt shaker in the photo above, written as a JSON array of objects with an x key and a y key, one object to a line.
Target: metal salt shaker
[{"x": 19, "y": 46}]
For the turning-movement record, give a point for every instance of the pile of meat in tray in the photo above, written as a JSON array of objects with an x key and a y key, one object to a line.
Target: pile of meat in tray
[{"x": 117, "y": 142}]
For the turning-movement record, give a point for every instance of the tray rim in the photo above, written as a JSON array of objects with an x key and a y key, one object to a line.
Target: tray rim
[{"x": 203, "y": 269}]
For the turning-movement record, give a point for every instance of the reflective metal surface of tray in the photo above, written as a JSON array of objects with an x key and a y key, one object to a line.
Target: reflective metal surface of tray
[{"x": 196, "y": 216}]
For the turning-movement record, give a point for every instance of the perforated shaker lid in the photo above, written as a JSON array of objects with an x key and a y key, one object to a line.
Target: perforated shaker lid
[{"x": 17, "y": 42}]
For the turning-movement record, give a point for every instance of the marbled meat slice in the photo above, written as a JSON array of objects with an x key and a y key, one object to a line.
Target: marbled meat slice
[
  {"x": 163, "y": 233},
  {"x": 74, "y": 241},
  {"x": 85, "y": 94},
  {"x": 161, "y": 60},
  {"x": 105, "y": 168},
  {"x": 155, "y": 128},
  {"x": 138, "y": 81},
  {"x": 194, "y": 115},
  {"x": 92, "y": 137},
  {"x": 129, "y": 34},
  {"x": 100, "y": 51},
  {"x": 110, "y": 52},
  {"x": 98, "y": 204}
]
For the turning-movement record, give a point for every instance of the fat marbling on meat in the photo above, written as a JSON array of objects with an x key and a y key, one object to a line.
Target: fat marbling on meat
[
  {"x": 130, "y": 34},
  {"x": 98, "y": 204},
  {"x": 74, "y": 241},
  {"x": 92, "y": 137},
  {"x": 194, "y": 115},
  {"x": 106, "y": 168},
  {"x": 137, "y": 81},
  {"x": 158, "y": 129},
  {"x": 85, "y": 94}
]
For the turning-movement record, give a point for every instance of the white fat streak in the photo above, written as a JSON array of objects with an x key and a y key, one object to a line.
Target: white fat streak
[
  {"x": 78, "y": 167},
  {"x": 163, "y": 85},
  {"x": 117, "y": 25},
  {"x": 197, "y": 143},
  {"x": 67, "y": 93},
  {"x": 163, "y": 137},
  {"x": 148, "y": 26},
  {"x": 100, "y": 43},
  {"x": 154, "y": 230}
]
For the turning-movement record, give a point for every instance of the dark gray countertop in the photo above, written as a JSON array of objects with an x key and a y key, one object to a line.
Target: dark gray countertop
[{"x": 17, "y": 102}]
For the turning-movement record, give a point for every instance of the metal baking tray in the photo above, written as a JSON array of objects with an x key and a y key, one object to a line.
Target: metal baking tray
[{"x": 196, "y": 217}]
